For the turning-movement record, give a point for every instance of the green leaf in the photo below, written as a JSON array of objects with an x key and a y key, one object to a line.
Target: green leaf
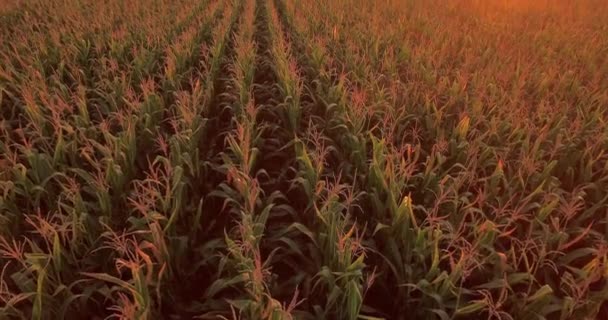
[
  {"x": 541, "y": 293},
  {"x": 471, "y": 307},
  {"x": 37, "y": 309}
]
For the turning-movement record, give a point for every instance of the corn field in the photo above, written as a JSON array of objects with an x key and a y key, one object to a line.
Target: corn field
[{"x": 304, "y": 159}]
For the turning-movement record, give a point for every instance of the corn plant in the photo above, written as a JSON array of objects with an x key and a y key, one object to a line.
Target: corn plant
[{"x": 270, "y": 159}]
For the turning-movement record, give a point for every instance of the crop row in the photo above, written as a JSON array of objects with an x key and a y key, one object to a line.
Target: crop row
[{"x": 268, "y": 159}]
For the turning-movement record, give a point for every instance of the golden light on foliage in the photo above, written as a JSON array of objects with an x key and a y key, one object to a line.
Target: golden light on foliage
[{"x": 272, "y": 159}]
